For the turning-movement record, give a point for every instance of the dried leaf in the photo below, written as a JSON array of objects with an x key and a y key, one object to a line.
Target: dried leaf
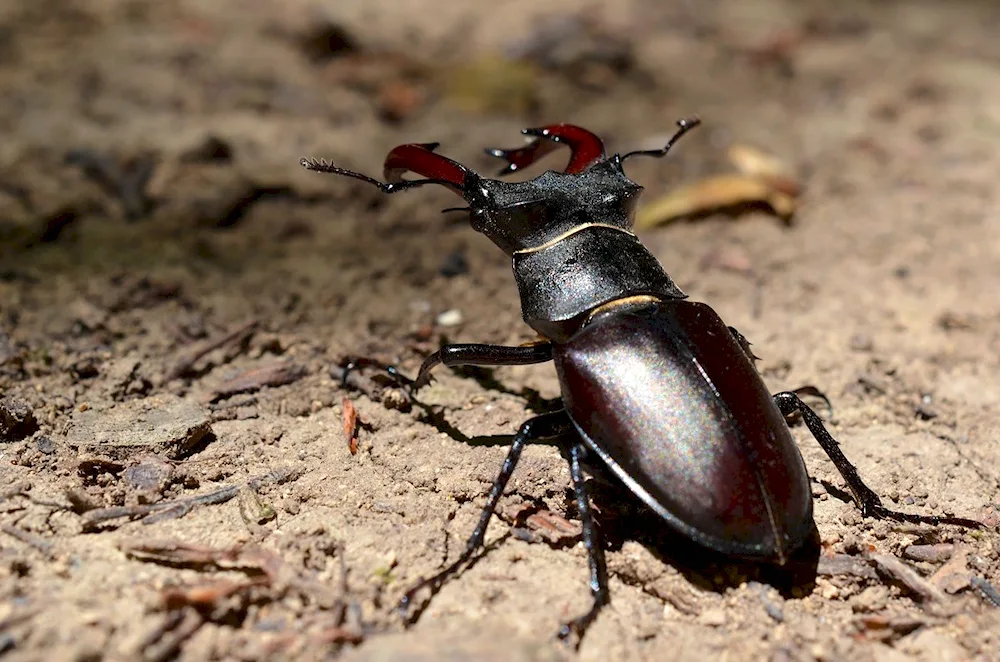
[
  {"x": 767, "y": 167},
  {"x": 762, "y": 179},
  {"x": 713, "y": 193}
]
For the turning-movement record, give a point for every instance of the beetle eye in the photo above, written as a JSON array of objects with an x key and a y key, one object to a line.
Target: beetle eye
[{"x": 477, "y": 218}]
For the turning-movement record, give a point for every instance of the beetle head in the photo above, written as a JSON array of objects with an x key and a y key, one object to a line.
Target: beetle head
[{"x": 593, "y": 187}]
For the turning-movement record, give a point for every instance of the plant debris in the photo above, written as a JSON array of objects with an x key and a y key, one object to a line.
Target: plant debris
[
  {"x": 762, "y": 179},
  {"x": 350, "y": 415},
  {"x": 185, "y": 362},
  {"x": 275, "y": 373},
  {"x": 269, "y": 579},
  {"x": 164, "y": 510},
  {"x": 534, "y": 524},
  {"x": 907, "y": 577}
]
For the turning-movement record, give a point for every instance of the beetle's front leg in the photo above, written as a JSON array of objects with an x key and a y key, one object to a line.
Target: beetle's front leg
[
  {"x": 866, "y": 498},
  {"x": 458, "y": 354}
]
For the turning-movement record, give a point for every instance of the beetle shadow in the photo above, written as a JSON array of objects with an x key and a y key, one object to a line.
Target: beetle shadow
[
  {"x": 621, "y": 517},
  {"x": 534, "y": 402},
  {"x": 485, "y": 377}
]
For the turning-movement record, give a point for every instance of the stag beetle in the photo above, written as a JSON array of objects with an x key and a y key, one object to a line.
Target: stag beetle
[{"x": 656, "y": 387}]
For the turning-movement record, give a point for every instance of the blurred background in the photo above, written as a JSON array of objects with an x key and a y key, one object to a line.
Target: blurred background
[{"x": 159, "y": 243}]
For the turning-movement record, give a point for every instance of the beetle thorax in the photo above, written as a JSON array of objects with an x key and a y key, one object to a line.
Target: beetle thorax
[
  {"x": 571, "y": 242},
  {"x": 519, "y": 216}
]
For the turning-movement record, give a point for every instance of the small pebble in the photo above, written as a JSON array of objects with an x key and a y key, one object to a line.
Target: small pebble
[
  {"x": 713, "y": 617},
  {"x": 45, "y": 445},
  {"x": 930, "y": 553},
  {"x": 861, "y": 343},
  {"x": 451, "y": 317}
]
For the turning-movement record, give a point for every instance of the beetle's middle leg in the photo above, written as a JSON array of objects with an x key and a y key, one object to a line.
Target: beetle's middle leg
[
  {"x": 866, "y": 498},
  {"x": 476, "y": 354},
  {"x": 544, "y": 426},
  {"x": 591, "y": 540}
]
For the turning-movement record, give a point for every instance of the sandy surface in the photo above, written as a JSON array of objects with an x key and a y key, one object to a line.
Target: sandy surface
[{"x": 176, "y": 294}]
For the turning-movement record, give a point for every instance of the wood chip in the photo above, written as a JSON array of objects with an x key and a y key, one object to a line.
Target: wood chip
[
  {"x": 840, "y": 565},
  {"x": 553, "y": 528},
  {"x": 276, "y": 373},
  {"x": 954, "y": 575},
  {"x": 895, "y": 569}
]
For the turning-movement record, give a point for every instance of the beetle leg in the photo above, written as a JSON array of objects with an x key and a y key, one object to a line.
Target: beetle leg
[
  {"x": 544, "y": 426},
  {"x": 744, "y": 344},
  {"x": 595, "y": 552},
  {"x": 483, "y": 355},
  {"x": 866, "y": 498},
  {"x": 813, "y": 391},
  {"x": 360, "y": 362},
  {"x": 458, "y": 354}
]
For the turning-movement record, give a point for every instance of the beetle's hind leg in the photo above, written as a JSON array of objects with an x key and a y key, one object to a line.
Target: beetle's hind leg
[
  {"x": 868, "y": 501},
  {"x": 595, "y": 552},
  {"x": 545, "y": 426},
  {"x": 810, "y": 390}
]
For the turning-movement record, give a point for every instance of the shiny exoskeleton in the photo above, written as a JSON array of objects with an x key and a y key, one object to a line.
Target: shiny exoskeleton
[{"x": 656, "y": 387}]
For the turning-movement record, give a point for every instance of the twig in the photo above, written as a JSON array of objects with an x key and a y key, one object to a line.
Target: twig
[
  {"x": 908, "y": 577},
  {"x": 166, "y": 641},
  {"x": 840, "y": 565},
  {"x": 157, "y": 512},
  {"x": 44, "y": 546},
  {"x": 186, "y": 360}
]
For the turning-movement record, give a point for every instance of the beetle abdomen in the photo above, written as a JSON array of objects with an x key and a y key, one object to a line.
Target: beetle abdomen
[{"x": 670, "y": 401}]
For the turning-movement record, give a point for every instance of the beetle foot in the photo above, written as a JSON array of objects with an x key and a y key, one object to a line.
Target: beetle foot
[
  {"x": 422, "y": 380},
  {"x": 572, "y": 631},
  {"x": 881, "y": 512},
  {"x": 358, "y": 363},
  {"x": 871, "y": 506}
]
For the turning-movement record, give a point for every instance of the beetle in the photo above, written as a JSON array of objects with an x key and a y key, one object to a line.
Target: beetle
[{"x": 656, "y": 387}]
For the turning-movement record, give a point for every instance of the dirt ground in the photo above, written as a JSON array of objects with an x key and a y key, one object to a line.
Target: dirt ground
[{"x": 176, "y": 295}]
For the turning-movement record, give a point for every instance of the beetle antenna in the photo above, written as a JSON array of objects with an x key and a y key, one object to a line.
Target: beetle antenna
[
  {"x": 683, "y": 126},
  {"x": 414, "y": 157},
  {"x": 322, "y": 165}
]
